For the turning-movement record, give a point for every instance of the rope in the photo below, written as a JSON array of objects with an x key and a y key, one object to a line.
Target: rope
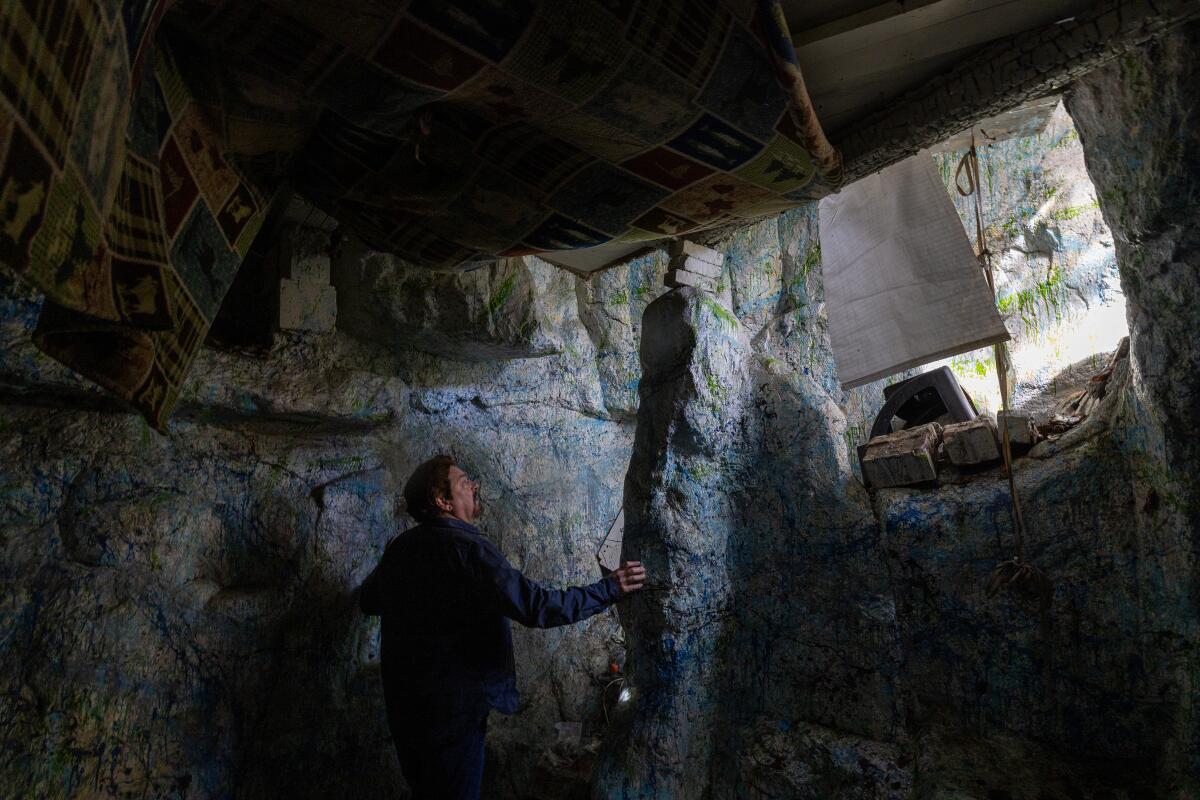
[{"x": 1015, "y": 574}]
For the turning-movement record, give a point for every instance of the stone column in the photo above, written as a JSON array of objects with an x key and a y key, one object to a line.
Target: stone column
[
  {"x": 680, "y": 513},
  {"x": 1139, "y": 123}
]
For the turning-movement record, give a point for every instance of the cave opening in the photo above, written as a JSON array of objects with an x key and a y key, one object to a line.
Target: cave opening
[{"x": 1058, "y": 287}]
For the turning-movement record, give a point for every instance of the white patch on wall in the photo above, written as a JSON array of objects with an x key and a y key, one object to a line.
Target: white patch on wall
[{"x": 609, "y": 554}]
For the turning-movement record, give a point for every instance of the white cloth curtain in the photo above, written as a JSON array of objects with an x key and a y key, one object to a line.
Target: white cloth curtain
[{"x": 902, "y": 284}]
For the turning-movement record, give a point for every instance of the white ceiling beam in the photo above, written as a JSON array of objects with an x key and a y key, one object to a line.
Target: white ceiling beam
[
  {"x": 950, "y": 26},
  {"x": 869, "y": 16},
  {"x": 1002, "y": 76}
]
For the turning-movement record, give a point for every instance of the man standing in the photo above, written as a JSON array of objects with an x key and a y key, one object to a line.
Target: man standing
[{"x": 446, "y": 594}]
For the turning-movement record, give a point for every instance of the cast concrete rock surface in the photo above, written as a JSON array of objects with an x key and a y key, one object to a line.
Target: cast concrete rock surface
[{"x": 177, "y": 611}]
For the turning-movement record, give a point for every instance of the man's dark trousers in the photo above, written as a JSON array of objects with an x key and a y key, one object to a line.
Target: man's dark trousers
[{"x": 440, "y": 746}]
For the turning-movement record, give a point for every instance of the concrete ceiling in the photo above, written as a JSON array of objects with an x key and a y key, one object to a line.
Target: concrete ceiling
[{"x": 857, "y": 55}]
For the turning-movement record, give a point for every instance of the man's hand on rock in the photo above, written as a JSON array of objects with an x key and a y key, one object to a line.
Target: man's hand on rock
[{"x": 631, "y": 576}]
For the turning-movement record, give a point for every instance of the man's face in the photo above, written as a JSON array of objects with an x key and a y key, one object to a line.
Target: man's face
[{"x": 464, "y": 501}]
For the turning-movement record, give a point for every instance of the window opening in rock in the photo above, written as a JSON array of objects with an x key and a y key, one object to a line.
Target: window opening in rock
[
  {"x": 1057, "y": 285},
  {"x": 244, "y": 320},
  {"x": 283, "y": 284}
]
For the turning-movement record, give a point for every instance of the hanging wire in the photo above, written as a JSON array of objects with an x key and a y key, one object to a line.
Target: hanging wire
[
  {"x": 424, "y": 128},
  {"x": 1016, "y": 574}
]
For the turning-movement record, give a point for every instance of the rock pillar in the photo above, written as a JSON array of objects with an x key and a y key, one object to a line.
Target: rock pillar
[
  {"x": 680, "y": 514},
  {"x": 1139, "y": 122}
]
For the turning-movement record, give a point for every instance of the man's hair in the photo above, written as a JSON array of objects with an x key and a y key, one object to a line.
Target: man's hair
[{"x": 428, "y": 481}]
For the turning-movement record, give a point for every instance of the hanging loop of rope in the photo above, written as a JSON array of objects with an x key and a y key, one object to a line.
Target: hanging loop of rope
[
  {"x": 1015, "y": 574},
  {"x": 965, "y": 170}
]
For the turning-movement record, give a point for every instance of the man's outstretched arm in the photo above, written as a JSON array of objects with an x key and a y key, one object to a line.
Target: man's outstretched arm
[{"x": 533, "y": 605}]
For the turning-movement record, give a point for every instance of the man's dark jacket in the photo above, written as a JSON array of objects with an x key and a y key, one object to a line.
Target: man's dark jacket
[{"x": 446, "y": 594}]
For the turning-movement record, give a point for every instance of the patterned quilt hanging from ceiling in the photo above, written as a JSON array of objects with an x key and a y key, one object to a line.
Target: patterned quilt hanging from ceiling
[
  {"x": 140, "y": 147},
  {"x": 115, "y": 198}
]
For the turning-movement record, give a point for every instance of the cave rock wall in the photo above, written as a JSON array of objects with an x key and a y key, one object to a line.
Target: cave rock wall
[
  {"x": 823, "y": 644},
  {"x": 177, "y": 611}
]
